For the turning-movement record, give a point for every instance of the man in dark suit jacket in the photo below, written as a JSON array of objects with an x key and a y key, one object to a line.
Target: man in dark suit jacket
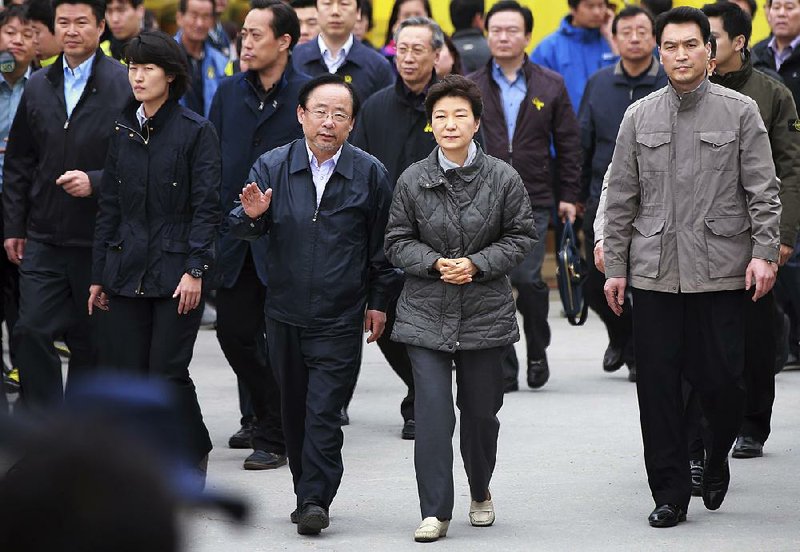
[{"x": 254, "y": 112}]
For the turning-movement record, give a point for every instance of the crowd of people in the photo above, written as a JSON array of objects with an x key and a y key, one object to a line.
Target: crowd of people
[{"x": 316, "y": 186}]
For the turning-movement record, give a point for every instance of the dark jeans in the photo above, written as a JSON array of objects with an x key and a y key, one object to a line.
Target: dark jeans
[
  {"x": 479, "y": 377},
  {"x": 147, "y": 336},
  {"x": 619, "y": 328},
  {"x": 54, "y": 288},
  {"x": 242, "y": 337},
  {"x": 700, "y": 337},
  {"x": 533, "y": 299},
  {"x": 315, "y": 369}
]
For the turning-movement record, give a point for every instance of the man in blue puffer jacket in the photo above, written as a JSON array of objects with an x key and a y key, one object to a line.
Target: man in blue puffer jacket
[{"x": 580, "y": 46}]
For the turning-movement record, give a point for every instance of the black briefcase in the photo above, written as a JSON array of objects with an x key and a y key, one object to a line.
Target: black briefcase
[{"x": 571, "y": 271}]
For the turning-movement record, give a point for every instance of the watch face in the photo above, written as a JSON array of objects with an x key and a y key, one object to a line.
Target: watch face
[{"x": 196, "y": 273}]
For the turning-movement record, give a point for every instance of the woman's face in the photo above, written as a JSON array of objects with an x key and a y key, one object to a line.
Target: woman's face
[
  {"x": 409, "y": 9},
  {"x": 149, "y": 82},
  {"x": 453, "y": 123},
  {"x": 444, "y": 66}
]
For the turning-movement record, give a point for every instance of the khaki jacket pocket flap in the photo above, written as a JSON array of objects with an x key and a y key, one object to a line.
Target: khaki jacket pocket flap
[
  {"x": 728, "y": 226},
  {"x": 719, "y": 138},
  {"x": 648, "y": 226},
  {"x": 654, "y": 139}
]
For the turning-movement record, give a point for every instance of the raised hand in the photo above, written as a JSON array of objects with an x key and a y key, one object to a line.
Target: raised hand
[{"x": 255, "y": 202}]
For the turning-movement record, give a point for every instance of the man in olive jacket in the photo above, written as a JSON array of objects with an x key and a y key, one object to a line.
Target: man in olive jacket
[{"x": 692, "y": 214}]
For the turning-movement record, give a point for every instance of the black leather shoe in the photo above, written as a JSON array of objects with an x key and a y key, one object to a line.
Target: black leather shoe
[
  {"x": 715, "y": 484},
  {"x": 612, "y": 359},
  {"x": 538, "y": 373},
  {"x": 632, "y": 373},
  {"x": 666, "y": 515},
  {"x": 696, "y": 469},
  {"x": 345, "y": 417},
  {"x": 242, "y": 438},
  {"x": 510, "y": 386},
  {"x": 409, "y": 430},
  {"x": 312, "y": 520},
  {"x": 263, "y": 460},
  {"x": 294, "y": 516},
  {"x": 747, "y": 447}
]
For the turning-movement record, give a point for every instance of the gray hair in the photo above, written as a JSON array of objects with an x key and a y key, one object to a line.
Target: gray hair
[{"x": 437, "y": 36}]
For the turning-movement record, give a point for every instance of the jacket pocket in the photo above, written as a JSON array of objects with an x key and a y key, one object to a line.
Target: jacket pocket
[
  {"x": 729, "y": 245},
  {"x": 645, "y": 256},
  {"x": 111, "y": 271},
  {"x": 654, "y": 151},
  {"x": 718, "y": 150}
]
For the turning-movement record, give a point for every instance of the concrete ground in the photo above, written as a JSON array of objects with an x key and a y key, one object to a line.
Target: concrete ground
[{"x": 570, "y": 473}]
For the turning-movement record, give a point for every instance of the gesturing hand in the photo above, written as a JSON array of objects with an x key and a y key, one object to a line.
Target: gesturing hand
[{"x": 255, "y": 202}]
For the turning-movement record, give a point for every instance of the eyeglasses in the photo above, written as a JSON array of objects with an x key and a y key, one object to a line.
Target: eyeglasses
[
  {"x": 416, "y": 51},
  {"x": 336, "y": 116}
]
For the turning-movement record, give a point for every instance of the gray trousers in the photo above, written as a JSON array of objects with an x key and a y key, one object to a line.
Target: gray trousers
[{"x": 479, "y": 377}]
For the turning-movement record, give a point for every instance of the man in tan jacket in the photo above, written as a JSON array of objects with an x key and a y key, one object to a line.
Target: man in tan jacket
[{"x": 692, "y": 216}]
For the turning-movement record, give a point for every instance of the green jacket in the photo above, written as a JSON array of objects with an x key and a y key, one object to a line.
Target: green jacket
[{"x": 777, "y": 108}]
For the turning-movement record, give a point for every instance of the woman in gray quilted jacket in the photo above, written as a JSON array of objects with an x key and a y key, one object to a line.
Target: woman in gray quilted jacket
[{"x": 460, "y": 221}]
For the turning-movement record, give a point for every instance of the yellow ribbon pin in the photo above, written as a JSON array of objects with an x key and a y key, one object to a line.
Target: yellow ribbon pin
[
  {"x": 428, "y": 128},
  {"x": 348, "y": 79},
  {"x": 210, "y": 72},
  {"x": 537, "y": 103}
]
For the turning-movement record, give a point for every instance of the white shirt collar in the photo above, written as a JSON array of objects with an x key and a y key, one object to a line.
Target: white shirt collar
[
  {"x": 446, "y": 164},
  {"x": 312, "y": 159},
  {"x": 83, "y": 69},
  {"x": 142, "y": 118},
  {"x": 323, "y": 48}
]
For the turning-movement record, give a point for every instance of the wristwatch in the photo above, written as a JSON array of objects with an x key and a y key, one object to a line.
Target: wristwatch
[{"x": 195, "y": 272}]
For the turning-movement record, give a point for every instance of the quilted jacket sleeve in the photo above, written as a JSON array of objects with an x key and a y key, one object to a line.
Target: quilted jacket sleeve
[
  {"x": 402, "y": 244},
  {"x": 518, "y": 237}
]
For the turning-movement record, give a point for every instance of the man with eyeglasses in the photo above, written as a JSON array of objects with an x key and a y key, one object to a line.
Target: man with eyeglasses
[
  {"x": 325, "y": 205},
  {"x": 526, "y": 110}
]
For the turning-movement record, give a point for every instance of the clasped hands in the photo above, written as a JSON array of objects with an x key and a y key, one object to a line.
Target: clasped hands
[{"x": 456, "y": 271}]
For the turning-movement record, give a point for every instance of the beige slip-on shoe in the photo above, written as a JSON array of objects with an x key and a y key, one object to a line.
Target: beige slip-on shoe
[
  {"x": 431, "y": 529},
  {"x": 481, "y": 514}
]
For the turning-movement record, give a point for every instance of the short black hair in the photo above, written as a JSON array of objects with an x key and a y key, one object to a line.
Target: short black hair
[
  {"x": 160, "y": 49},
  {"x": 683, "y": 14},
  {"x": 632, "y": 11},
  {"x": 735, "y": 20},
  {"x": 396, "y": 12},
  {"x": 574, "y": 3},
  {"x": 751, "y": 4},
  {"x": 512, "y": 5},
  {"x": 133, "y": 3},
  {"x": 366, "y": 11},
  {"x": 463, "y": 12},
  {"x": 98, "y": 7},
  {"x": 322, "y": 80},
  {"x": 712, "y": 42},
  {"x": 42, "y": 12},
  {"x": 14, "y": 11},
  {"x": 656, "y": 7},
  {"x": 454, "y": 86},
  {"x": 303, "y": 3},
  {"x": 284, "y": 19},
  {"x": 184, "y": 3}
]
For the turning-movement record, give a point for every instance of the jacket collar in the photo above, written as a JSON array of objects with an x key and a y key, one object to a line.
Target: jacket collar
[
  {"x": 584, "y": 35},
  {"x": 408, "y": 97},
  {"x": 463, "y": 33},
  {"x": 652, "y": 72},
  {"x": 735, "y": 80},
  {"x": 155, "y": 123},
  {"x": 355, "y": 55},
  {"x": 435, "y": 176},
  {"x": 688, "y": 100},
  {"x": 55, "y": 72},
  {"x": 298, "y": 159}
]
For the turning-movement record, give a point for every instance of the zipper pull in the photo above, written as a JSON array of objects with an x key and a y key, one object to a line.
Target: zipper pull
[
  {"x": 261, "y": 106},
  {"x": 66, "y": 124},
  {"x": 315, "y": 215}
]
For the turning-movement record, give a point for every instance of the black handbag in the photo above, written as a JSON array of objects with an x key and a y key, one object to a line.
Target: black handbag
[{"x": 571, "y": 271}]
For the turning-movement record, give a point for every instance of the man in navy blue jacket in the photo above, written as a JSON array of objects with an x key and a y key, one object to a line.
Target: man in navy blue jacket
[
  {"x": 608, "y": 94},
  {"x": 337, "y": 51},
  {"x": 253, "y": 113},
  {"x": 325, "y": 205}
]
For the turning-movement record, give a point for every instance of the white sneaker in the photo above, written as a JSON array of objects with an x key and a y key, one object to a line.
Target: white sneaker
[
  {"x": 431, "y": 529},
  {"x": 481, "y": 514}
]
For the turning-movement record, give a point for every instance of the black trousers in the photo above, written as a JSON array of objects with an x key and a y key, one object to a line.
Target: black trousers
[
  {"x": 242, "y": 337},
  {"x": 763, "y": 331},
  {"x": 54, "y": 288},
  {"x": 147, "y": 336},
  {"x": 9, "y": 295},
  {"x": 397, "y": 357},
  {"x": 619, "y": 328},
  {"x": 479, "y": 377},
  {"x": 315, "y": 368},
  {"x": 700, "y": 337}
]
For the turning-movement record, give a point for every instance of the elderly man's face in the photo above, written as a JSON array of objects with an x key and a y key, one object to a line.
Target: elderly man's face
[{"x": 327, "y": 118}]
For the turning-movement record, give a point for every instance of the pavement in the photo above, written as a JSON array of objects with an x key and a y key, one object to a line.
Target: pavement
[{"x": 570, "y": 471}]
